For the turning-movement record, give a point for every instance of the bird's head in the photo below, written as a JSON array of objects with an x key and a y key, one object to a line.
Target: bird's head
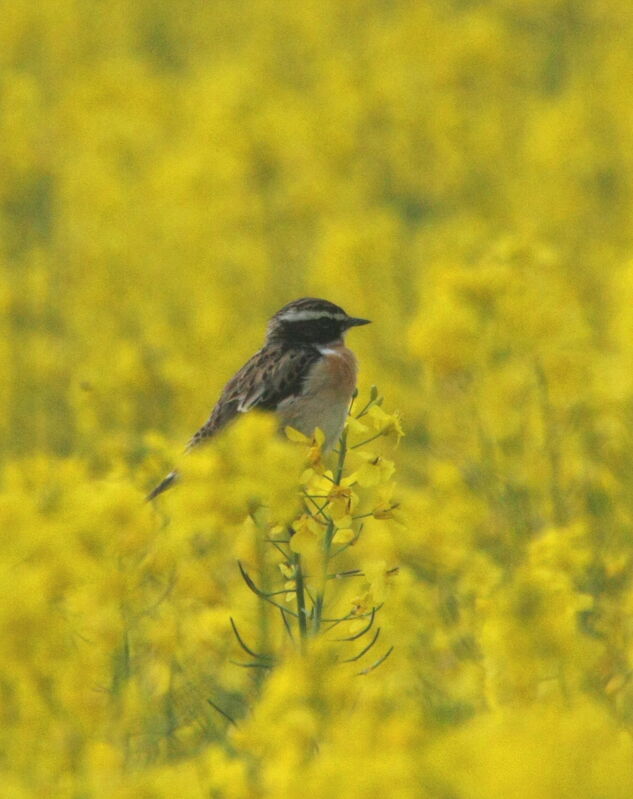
[{"x": 311, "y": 321}]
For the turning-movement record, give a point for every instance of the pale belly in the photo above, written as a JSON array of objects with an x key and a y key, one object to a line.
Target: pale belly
[{"x": 326, "y": 399}]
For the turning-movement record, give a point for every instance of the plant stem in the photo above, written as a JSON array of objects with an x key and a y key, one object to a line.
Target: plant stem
[
  {"x": 327, "y": 540},
  {"x": 367, "y": 440},
  {"x": 301, "y": 602}
]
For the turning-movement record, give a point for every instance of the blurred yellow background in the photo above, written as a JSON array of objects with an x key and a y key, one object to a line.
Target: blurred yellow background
[{"x": 459, "y": 172}]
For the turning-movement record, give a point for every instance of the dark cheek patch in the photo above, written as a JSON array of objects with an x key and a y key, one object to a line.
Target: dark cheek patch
[{"x": 313, "y": 330}]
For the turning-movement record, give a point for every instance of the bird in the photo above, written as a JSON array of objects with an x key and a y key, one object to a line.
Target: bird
[{"x": 303, "y": 372}]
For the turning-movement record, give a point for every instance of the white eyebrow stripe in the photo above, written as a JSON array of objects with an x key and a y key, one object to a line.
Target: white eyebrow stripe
[{"x": 308, "y": 316}]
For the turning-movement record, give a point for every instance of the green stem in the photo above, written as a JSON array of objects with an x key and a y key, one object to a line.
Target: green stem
[
  {"x": 263, "y": 638},
  {"x": 342, "y": 452},
  {"x": 319, "y": 510},
  {"x": 366, "y": 408},
  {"x": 301, "y": 601},
  {"x": 552, "y": 449},
  {"x": 367, "y": 440},
  {"x": 327, "y": 541}
]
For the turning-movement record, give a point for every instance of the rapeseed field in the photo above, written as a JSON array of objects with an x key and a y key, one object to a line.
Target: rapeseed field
[{"x": 452, "y": 617}]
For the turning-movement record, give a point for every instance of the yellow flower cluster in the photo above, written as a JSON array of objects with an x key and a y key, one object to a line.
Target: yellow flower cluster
[{"x": 460, "y": 173}]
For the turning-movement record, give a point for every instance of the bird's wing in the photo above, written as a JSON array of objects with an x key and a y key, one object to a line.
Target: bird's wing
[{"x": 272, "y": 375}]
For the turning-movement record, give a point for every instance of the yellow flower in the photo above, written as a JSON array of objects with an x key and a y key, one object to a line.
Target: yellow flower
[
  {"x": 383, "y": 422},
  {"x": 342, "y": 503},
  {"x": 356, "y": 428},
  {"x": 387, "y": 508},
  {"x": 287, "y": 570},
  {"x": 374, "y": 471},
  {"x": 314, "y": 443},
  {"x": 307, "y": 537},
  {"x": 343, "y": 535},
  {"x": 295, "y": 435},
  {"x": 290, "y": 587},
  {"x": 362, "y": 604},
  {"x": 375, "y": 572}
]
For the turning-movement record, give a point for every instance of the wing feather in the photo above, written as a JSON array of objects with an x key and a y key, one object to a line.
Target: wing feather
[{"x": 271, "y": 376}]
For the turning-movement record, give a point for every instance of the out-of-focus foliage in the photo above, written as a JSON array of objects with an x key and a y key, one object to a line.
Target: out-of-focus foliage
[{"x": 459, "y": 172}]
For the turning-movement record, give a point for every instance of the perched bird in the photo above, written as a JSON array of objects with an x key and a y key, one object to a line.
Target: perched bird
[{"x": 304, "y": 372}]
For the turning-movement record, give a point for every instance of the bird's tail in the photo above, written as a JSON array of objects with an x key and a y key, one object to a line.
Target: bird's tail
[{"x": 164, "y": 484}]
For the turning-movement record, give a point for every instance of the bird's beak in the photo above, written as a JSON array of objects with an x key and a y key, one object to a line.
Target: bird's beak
[{"x": 356, "y": 322}]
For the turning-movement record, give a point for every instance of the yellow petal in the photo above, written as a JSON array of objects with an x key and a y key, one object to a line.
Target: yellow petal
[
  {"x": 303, "y": 543},
  {"x": 286, "y": 570},
  {"x": 295, "y": 435},
  {"x": 343, "y": 536},
  {"x": 356, "y": 427}
]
